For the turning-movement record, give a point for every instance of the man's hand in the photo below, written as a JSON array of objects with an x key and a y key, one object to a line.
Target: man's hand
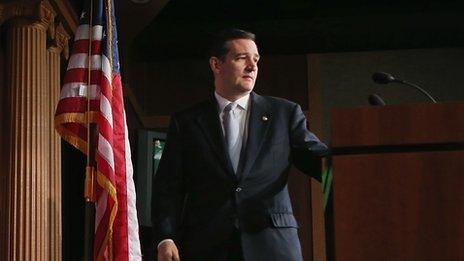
[{"x": 167, "y": 251}]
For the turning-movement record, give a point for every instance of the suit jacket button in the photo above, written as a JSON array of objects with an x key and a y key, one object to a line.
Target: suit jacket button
[{"x": 238, "y": 189}]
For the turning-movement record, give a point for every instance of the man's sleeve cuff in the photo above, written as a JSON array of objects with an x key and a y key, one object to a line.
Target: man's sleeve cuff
[{"x": 163, "y": 241}]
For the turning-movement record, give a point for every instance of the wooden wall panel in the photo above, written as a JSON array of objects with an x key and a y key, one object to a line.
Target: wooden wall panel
[
  {"x": 299, "y": 187},
  {"x": 315, "y": 119}
]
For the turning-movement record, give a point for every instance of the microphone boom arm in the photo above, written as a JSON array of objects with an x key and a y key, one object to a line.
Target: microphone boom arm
[{"x": 418, "y": 88}]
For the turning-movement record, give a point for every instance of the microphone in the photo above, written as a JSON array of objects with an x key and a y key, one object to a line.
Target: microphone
[
  {"x": 376, "y": 100},
  {"x": 384, "y": 78}
]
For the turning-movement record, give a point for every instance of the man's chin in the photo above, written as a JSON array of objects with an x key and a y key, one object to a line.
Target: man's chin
[{"x": 246, "y": 88}]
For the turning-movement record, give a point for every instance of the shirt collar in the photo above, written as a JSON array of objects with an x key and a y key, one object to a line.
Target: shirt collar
[{"x": 223, "y": 102}]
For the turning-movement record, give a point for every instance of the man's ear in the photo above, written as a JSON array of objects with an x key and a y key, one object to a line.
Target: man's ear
[{"x": 215, "y": 64}]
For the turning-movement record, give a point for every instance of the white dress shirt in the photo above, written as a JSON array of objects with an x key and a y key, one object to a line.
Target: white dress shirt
[{"x": 241, "y": 113}]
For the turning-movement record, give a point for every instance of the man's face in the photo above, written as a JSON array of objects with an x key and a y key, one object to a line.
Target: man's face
[{"x": 237, "y": 72}]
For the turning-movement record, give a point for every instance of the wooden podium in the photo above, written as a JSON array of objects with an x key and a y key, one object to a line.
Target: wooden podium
[{"x": 399, "y": 182}]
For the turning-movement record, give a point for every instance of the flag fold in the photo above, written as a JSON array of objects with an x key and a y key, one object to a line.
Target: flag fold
[{"x": 92, "y": 92}]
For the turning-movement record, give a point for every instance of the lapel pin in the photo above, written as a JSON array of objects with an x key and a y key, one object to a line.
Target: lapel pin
[{"x": 265, "y": 118}]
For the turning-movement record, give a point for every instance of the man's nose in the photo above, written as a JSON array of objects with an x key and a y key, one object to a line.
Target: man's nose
[{"x": 252, "y": 66}]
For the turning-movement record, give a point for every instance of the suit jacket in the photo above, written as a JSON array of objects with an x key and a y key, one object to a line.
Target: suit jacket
[{"x": 197, "y": 197}]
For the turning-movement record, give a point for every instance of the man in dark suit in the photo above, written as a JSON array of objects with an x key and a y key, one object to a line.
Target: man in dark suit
[{"x": 221, "y": 189}]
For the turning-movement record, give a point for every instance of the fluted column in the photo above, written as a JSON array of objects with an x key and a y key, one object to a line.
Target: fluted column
[
  {"x": 3, "y": 154},
  {"x": 29, "y": 133},
  {"x": 54, "y": 52}
]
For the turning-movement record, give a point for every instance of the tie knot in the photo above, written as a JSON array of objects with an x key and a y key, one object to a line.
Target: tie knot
[{"x": 230, "y": 107}]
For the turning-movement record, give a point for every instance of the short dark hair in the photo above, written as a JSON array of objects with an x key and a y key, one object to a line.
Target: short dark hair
[{"x": 219, "y": 48}]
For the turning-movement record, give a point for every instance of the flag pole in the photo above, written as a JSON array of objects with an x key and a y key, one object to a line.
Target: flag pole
[{"x": 89, "y": 230}]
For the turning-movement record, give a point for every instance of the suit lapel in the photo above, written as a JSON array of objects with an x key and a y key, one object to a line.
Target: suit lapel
[
  {"x": 211, "y": 127},
  {"x": 258, "y": 125}
]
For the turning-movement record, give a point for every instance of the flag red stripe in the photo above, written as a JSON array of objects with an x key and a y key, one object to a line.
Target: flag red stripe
[
  {"x": 100, "y": 233},
  {"x": 101, "y": 230},
  {"x": 80, "y": 75},
  {"x": 105, "y": 129},
  {"x": 120, "y": 170},
  {"x": 76, "y": 105},
  {"x": 82, "y": 46},
  {"x": 104, "y": 166},
  {"x": 106, "y": 89},
  {"x": 77, "y": 129}
]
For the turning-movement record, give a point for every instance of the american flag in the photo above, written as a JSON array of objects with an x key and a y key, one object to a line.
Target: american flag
[{"x": 93, "y": 73}]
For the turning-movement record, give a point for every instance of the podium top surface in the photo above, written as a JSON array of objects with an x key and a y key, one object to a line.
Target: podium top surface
[{"x": 393, "y": 125}]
